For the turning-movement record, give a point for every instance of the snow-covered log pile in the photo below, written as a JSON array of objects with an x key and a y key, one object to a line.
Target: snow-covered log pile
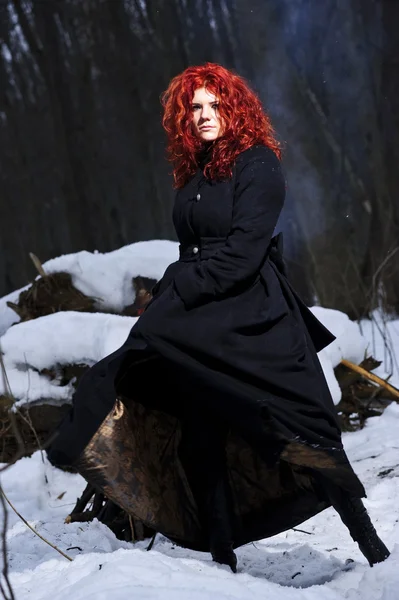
[{"x": 79, "y": 308}]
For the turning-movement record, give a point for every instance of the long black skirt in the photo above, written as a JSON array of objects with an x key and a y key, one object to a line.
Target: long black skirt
[{"x": 149, "y": 457}]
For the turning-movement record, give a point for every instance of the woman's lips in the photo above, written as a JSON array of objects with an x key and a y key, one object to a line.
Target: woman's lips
[{"x": 206, "y": 127}]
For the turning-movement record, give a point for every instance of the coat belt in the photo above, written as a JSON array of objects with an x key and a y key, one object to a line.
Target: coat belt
[
  {"x": 203, "y": 249},
  {"x": 207, "y": 246}
]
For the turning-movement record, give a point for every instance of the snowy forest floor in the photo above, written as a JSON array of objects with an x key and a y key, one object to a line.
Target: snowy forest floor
[{"x": 292, "y": 565}]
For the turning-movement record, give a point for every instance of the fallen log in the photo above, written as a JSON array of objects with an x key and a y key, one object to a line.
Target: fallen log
[
  {"x": 347, "y": 376},
  {"x": 364, "y": 394},
  {"x": 50, "y": 293},
  {"x": 372, "y": 377},
  {"x": 55, "y": 292},
  {"x": 35, "y": 423}
]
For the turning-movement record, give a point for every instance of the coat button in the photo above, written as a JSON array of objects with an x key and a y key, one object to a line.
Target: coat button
[
  {"x": 195, "y": 250},
  {"x": 198, "y": 197}
]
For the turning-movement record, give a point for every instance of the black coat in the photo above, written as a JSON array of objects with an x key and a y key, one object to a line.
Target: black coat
[{"x": 226, "y": 317}]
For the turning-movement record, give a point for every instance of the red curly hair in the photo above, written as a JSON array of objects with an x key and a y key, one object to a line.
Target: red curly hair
[{"x": 240, "y": 109}]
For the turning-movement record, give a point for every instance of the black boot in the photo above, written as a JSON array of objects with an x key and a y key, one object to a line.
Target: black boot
[
  {"x": 225, "y": 555},
  {"x": 355, "y": 516}
]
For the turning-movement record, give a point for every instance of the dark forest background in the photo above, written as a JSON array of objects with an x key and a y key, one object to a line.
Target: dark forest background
[{"x": 82, "y": 150}]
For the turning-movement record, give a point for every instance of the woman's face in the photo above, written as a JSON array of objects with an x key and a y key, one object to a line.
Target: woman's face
[{"x": 206, "y": 122}]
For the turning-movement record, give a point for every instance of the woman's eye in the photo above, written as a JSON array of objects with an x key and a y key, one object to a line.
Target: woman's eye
[{"x": 215, "y": 106}]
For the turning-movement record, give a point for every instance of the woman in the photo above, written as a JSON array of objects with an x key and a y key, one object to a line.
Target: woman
[{"x": 213, "y": 423}]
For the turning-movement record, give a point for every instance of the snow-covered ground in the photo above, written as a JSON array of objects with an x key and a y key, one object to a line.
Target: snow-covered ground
[
  {"x": 290, "y": 566},
  {"x": 298, "y": 565}
]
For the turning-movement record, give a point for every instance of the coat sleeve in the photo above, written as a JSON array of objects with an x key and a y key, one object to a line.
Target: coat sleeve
[{"x": 258, "y": 200}]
